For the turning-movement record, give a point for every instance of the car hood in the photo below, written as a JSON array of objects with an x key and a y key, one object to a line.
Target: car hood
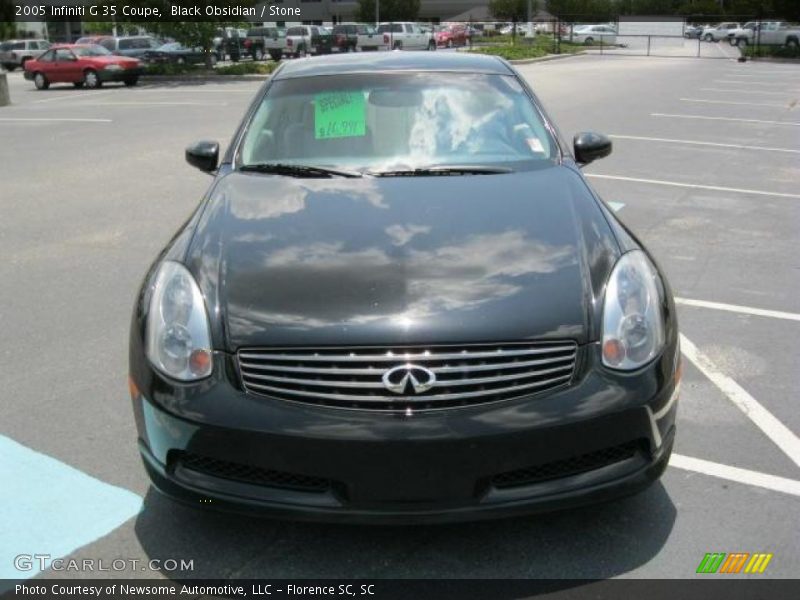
[{"x": 284, "y": 261}]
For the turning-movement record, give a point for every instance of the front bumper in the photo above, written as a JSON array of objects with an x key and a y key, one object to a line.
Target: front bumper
[{"x": 213, "y": 446}]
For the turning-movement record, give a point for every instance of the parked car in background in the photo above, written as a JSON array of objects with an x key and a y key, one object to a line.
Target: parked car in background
[
  {"x": 451, "y": 35},
  {"x": 693, "y": 31},
  {"x": 407, "y": 36},
  {"x": 349, "y": 37},
  {"x": 263, "y": 41},
  {"x": 88, "y": 65},
  {"x": 594, "y": 34},
  {"x": 134, "y": 46},
  {"x": 15, "y": 53},
  {"x": 178, "y": 54},
  {"x": 308, "y": 39},
  {"x": 715, "y": 33}
]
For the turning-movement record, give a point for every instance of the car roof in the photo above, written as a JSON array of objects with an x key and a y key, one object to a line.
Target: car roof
[{"x": 337, "y": 64}]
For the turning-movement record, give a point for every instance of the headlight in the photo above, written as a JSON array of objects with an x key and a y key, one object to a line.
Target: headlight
[
  {"x": 178, "y": 339},
  {"x": 113, "y": 68},
  {"x": 633, "y": 319}
]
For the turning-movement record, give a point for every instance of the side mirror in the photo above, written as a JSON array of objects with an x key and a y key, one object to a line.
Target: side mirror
[
  {"x": 589, "y": 146},
  {"x": 203, "y": 155}
]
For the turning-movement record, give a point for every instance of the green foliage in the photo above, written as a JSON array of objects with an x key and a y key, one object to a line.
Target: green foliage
[
  {"x": 540, "y": 45},
  {"x": 390, "y": 10},
  {"x": 510, "y": 10},
  {"x": 772, "y": 52},
  {"x": 248, "y": 68}
]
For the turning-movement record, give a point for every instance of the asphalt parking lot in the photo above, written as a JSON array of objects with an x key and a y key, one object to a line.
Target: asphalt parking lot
[{"x": 706, "y": 170}]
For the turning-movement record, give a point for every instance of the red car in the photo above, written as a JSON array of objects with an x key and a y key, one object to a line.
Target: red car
[
  {"x": 81, "y": 64},
  {"x": 452, "y": 35}
]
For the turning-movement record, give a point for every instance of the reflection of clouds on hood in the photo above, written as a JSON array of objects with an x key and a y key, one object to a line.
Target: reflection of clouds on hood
[
  {"x": 254, "y": 197},
  {"x": 402, "y": 234},
  {"x": 460, "y": 276}
]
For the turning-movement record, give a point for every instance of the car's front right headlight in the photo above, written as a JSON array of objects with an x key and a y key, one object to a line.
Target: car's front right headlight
[
  {"x": 178, "y": 338},
  {"x": 633, "y": 317}
]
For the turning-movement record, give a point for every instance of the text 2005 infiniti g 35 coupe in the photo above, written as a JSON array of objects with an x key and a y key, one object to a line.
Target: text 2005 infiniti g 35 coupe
[{"x": 400, "y": 301}]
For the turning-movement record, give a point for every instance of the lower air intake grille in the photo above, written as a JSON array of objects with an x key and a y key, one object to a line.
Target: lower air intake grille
[
  {"x": 356, "y": 377},
  {"x": 253, "y": 475},
  {"x": 567, "y": 467}
]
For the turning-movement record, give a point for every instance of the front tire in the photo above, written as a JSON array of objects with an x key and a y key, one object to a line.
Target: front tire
[
  {"x": 9, "y": 67},
  {"x": 792, "y": 43},
  {"x": 588, "y": 41},
  {"x": 92, "y": 80},
  {"x": 276, "y": 56},
  {"x": 40, "y": 81},
  {"x": 708, "y": 37},
  {"x": 131, "y": 81},
  {"x": 398, "y": 45},
  {"x": 78, "y": 84}
]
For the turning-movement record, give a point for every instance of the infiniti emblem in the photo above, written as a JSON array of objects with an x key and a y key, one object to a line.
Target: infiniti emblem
[{"x": 399, "y": 379}]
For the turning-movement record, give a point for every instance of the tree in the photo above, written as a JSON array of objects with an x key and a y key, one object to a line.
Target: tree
[
  {"x": 390, "y": 10},
  {"x": 510, "y": 10},
  {"x": 8, "y": 28}
]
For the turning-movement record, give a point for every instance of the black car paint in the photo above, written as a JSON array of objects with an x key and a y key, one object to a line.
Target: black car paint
[{"x": 399, "y": 468}]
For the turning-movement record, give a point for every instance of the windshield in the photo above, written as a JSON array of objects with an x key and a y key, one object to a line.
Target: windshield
[
  {"x": 171, "y": 46},
  {"x": 93, "y": 50},
  {"x": 384, "y": 121}
]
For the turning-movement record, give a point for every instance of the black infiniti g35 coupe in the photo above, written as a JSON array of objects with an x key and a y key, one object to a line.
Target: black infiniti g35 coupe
[{"x": 400, "y": 301}]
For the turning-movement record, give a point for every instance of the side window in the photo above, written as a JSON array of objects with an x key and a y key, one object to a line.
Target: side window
[
  {"x": 361, "y": 30},
  {"x": 18, "y": 46},
  {"x": 47, "y": 56},
  {"x": 127, "y": 44},
  {"x": 409, "y": 29},
  {"x": 64, "y": 55},
  {"x": 108, "y": 44}
]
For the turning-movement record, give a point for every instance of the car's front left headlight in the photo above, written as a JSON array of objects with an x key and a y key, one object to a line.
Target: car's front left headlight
[
  {"x": 633, "y": 317},
  {"x": 178, "y": 339}
]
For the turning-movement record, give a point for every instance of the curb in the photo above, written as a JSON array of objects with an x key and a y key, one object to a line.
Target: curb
[
  {"x": 199, "y": 78},
  {"x": 527, "y": 61},
  {"x": 774, "y": 59}
]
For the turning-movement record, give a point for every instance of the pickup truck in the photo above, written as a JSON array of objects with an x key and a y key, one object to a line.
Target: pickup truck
[
  {"x": 350, "y": 37},
  {"x": 261, "y": 41},
  {"x": 407, "y": 36},
  {"x": 767, "y": 33},
  {"x": 308, "y": 39}
]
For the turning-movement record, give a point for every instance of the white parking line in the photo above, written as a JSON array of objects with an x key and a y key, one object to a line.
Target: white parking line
[
  {"x": 746, "y": 310},
  {"x": 71, "y": 96},
  {"x": 695, "y": 186},
  {"x": 53, "y": 120},
  {"x": 770, "y": 104},
  {"x": 763, "y": 92},
  {"x": 739, "y": 82},
  {"x": 746, "y": 476},
  {"x": 698, "y": 143},
  {"x": 674, "y": 116},
  {"x": 781, "y": 435}
]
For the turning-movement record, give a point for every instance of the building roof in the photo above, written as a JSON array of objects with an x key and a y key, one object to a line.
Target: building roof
[{"x": 334, "y": 64}]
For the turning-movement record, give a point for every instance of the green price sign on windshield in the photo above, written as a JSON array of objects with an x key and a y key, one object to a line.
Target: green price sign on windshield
[{"x": 339, "y": 114}]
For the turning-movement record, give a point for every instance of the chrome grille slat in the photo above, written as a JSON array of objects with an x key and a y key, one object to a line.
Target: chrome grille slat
[
  {"x": 399, "y": 399},
  {"x": 377, "y": 371},
  {"x": 401, "y": 356},
  {"x": 379, "y": 385},
  {"x": 353, "y": 377}
]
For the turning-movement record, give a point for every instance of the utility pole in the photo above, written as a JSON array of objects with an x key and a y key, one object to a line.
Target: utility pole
[{"x": 377, "y": 11}]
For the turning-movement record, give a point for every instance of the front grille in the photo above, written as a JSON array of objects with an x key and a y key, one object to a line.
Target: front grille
[
  {"x": 567, "y": 467},
  {"x": 353, "y": 377},
  {"x": 253, "y": 475}
]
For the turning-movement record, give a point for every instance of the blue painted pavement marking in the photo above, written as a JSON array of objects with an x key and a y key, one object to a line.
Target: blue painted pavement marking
[
  {"x": 616, "y": 206},
  {"x": 48, "y": 507}
]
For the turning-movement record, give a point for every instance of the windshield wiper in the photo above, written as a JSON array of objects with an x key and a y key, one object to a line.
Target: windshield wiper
[
  {"x": 291, "y": 170},
  {"x": 442, "y": 170}
]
